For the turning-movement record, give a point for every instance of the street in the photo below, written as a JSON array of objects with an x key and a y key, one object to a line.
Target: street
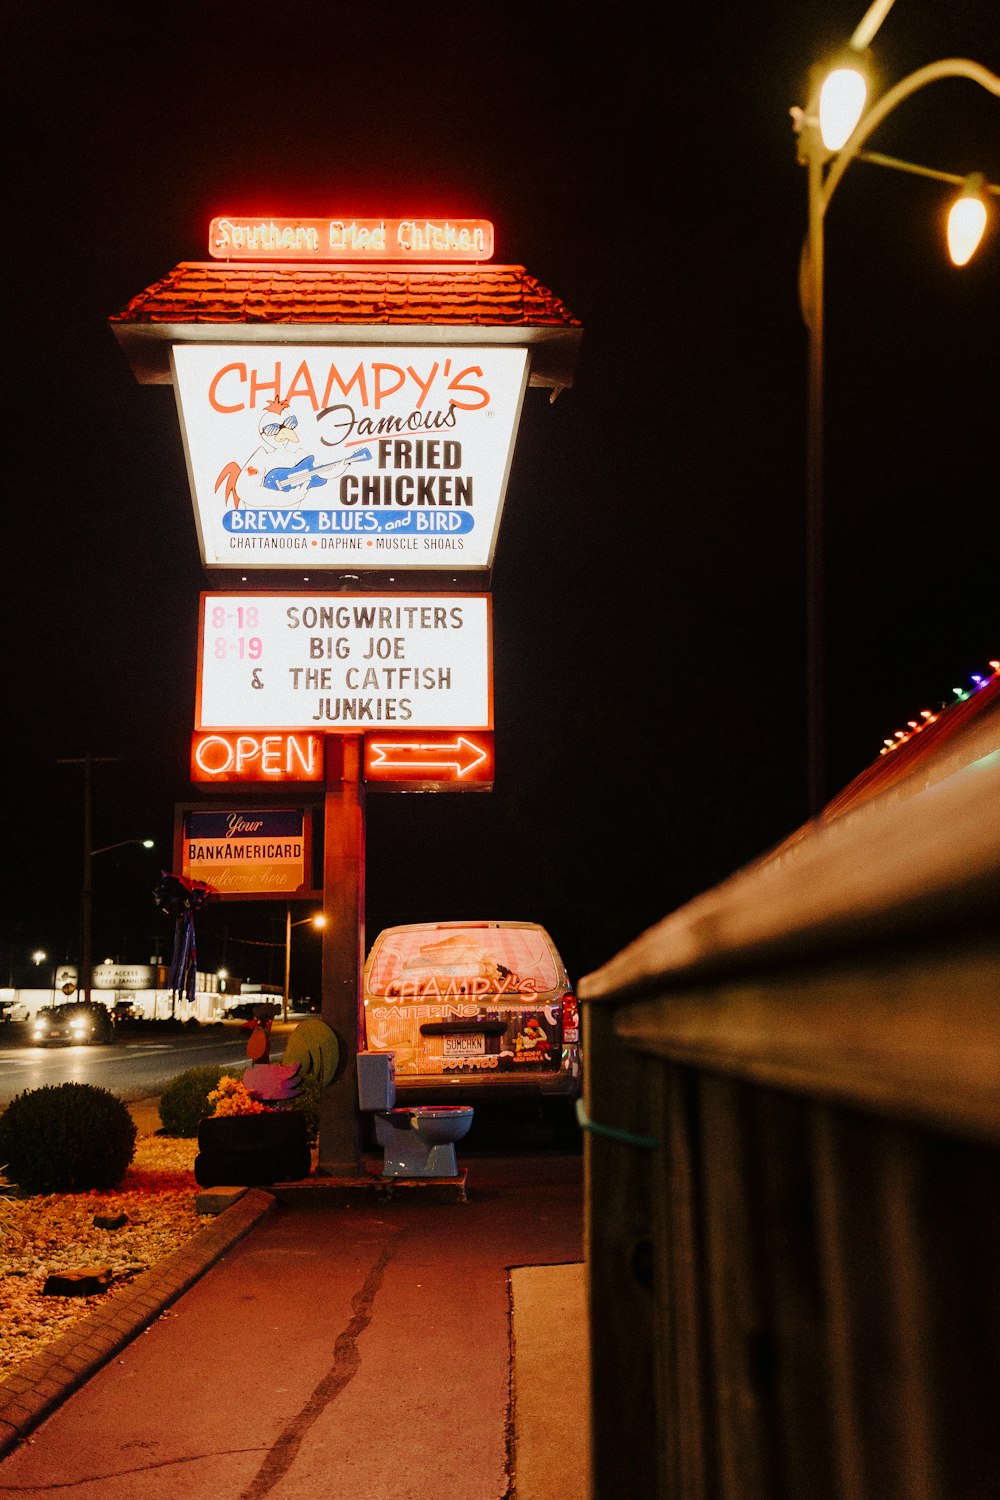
[
  {"x": 131, "y": 1067},
  {"x": 134, "y": 1067}
]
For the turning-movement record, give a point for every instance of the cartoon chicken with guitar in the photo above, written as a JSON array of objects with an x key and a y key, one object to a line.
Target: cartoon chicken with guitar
[{"x": 282, "y": 471}]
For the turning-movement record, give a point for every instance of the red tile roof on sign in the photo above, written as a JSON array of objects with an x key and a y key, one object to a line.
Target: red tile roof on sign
[{"x": 471, "y": 304}]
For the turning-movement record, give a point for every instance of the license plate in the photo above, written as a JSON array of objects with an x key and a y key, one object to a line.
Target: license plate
[{"x": 471, "y": 1044}]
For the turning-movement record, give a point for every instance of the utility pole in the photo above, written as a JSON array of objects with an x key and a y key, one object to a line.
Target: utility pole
[{"x": 88, "y": 762}]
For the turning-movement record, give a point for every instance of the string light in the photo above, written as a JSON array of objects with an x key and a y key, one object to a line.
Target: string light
[{"x": 929, "y": 717}]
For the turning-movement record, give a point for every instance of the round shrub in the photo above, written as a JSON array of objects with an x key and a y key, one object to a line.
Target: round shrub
[
  {"x": 184, "y": 1101},
  {"x": 66, "y": 1138}
]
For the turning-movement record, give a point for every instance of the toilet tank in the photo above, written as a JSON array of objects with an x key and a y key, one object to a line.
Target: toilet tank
[{"x": 376, "y": 1080}]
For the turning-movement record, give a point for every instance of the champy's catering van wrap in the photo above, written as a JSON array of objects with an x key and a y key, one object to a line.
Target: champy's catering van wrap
[{"x": 473, "y": 1008}]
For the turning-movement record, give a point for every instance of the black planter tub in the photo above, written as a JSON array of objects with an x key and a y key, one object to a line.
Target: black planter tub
[{"x": 252, "y": 1150}]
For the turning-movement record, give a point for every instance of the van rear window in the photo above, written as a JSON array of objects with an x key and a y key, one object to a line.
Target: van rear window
[{"x": 456, "y": 959}]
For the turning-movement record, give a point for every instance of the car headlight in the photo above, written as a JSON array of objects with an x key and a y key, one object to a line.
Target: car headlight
[{"x": 79, "y": 1028}]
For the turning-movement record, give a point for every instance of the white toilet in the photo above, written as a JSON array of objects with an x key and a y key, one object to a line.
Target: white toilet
[{"x": 418, "y": 1141}]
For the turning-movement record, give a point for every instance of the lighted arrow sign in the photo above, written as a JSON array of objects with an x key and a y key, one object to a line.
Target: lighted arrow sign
[{"x": 442, "y": 762}]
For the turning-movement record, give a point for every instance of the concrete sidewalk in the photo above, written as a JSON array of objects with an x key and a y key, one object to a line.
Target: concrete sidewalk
[{"x": 360, "y": 1352}]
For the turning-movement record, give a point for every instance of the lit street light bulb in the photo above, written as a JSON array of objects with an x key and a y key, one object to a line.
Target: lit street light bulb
[
  {"x": 841, "y": 100},
  {"x": 967, "y": 221}
]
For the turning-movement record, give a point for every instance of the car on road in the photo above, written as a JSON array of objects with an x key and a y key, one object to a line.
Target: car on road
[
  {"x": 472, "y": 1011},
  {"x": 80, "y": 1023},
  {"x": 248, "y": 1010}
]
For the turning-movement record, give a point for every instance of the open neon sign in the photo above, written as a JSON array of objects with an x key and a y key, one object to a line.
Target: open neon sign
[
  {"x": 253, "y": 237},
  {"x": 222, "y": 757}
]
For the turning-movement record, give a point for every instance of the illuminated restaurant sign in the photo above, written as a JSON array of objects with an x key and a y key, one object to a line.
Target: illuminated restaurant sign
[
  {"x": 346, "y": 663},
  {"x": 348, "y": 456},
  {"x": 247, "y": 851},
  {"x": 220, "y": 758},
  {"x": 263, "y": 237}
]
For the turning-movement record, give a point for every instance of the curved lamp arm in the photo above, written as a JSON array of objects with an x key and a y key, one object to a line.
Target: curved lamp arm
[
  {"x": 105, "y": 848},
  {"x": 869, "y": 24}
]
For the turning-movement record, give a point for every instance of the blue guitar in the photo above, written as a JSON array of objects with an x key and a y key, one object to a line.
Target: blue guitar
[{"x": 307, "y": 473}]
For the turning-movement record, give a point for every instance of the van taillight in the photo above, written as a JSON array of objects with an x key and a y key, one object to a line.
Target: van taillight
[{"x": 570, "y": 1018}]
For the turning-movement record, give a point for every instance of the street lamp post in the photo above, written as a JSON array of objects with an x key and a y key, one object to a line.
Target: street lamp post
[
  {"x": 41, "y": 957},
  {"x": 87, "y": 965},
  {"x": 826, "y": 164},
  {"x": 318, "y": 920}
]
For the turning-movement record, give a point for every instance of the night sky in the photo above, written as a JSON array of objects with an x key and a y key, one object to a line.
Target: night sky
[{"x": 649, "y": 596}]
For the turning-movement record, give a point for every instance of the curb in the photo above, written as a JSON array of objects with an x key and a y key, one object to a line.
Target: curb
[{"x": 37, "y": 1386}]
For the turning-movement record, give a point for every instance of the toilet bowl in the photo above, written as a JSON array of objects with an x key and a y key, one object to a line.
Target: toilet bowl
[
  {"x": 417, "y": 1141},
  {"x": 420, "y": 1142}
]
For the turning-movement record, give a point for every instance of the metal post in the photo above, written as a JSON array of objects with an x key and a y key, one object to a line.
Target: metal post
[
  {"x": 823, "y": 184},
  {"x": 88, "y": 763},
  {"x": 815, "y": 581},
  {"x": 288, "y": 961},
  {"x": 343, "y": 950}
]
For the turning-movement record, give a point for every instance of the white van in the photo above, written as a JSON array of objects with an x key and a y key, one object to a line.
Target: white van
[{"x": 473, "y": 1010}]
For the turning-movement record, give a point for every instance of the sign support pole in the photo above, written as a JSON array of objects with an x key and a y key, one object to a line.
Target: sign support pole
[{"x": 340, "y": 1152}]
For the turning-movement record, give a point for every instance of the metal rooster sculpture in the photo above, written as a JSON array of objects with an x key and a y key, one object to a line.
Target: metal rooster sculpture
[{"x": 271, "y": 1083}]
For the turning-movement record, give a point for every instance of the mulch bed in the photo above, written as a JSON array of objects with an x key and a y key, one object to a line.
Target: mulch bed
[{"x": 55, "y": 1233}]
